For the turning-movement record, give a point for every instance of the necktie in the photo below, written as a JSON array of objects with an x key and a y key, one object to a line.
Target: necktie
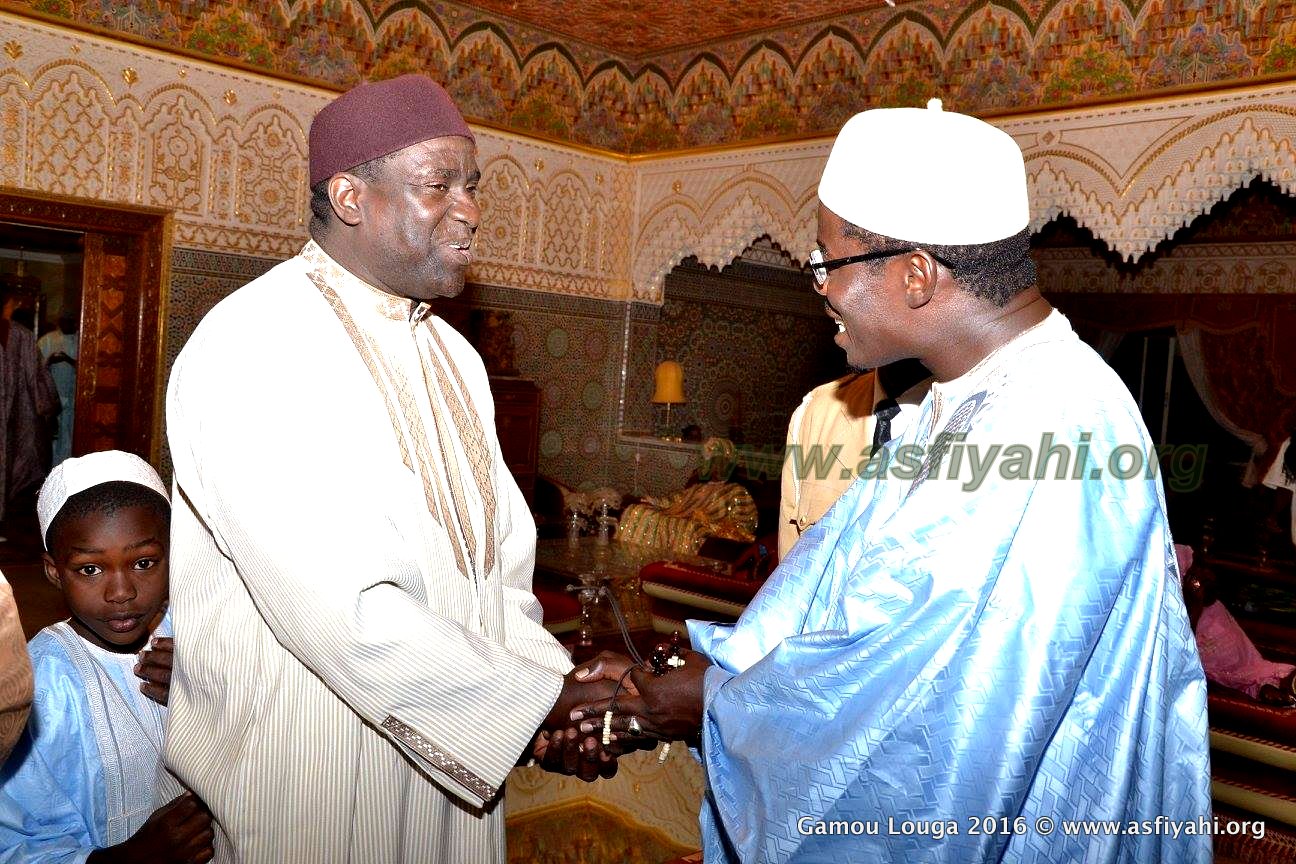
[{"x": 885, "y": 410}]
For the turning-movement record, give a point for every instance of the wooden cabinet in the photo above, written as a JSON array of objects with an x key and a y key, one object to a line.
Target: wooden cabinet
[{"x": 517, "y": 422}]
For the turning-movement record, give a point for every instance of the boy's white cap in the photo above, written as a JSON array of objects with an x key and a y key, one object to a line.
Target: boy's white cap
[
  {"x": 924, "y": 175},
  {"x": 81, "y": 472}
]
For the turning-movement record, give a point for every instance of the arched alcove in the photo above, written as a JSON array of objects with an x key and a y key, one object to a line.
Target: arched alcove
[
  {"x": 1201, "y": 330},
  {"x": 752, "y": 338}
]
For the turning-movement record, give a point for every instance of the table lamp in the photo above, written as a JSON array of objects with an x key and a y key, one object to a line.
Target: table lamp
[{"x": 669, "y": 390}]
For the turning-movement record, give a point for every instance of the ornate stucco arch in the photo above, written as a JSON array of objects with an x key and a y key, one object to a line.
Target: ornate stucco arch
[
  {"x": 1134, "y": 184},
  {"x": 716, "y": 226},
  {"x": 1133, "y": 174}
]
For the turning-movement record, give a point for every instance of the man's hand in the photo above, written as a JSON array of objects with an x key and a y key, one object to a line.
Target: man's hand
[
  {"x": 178, "y": 833},
  {"x": 587, "y": 688},
  {"x": 567, "y": 751},
  {"x": 668, "y": 707},
  {"x": 155, "y": 668},
  {"x": 559, "y": 746},
  {"x": 608, "y": 666}
]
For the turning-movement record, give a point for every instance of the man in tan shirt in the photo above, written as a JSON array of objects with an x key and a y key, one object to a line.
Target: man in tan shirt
[
  {"x": 831, "y": 435},
  {"x": 15, "y": 673}
]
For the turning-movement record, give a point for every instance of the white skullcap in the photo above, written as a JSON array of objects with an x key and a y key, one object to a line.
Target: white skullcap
[
  {"x": 82, "y": 472},
  {"x": 924, "y": 175}
]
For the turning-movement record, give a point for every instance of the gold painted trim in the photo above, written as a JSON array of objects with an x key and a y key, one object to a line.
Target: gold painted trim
[
  {"x": 117, "y": 36},
  {"x": 587, "y": 802},
  {"x": 541, "y": 138},
  {"x": 164, "y": 315},
  {"x": 1254, "y": 800},
  {"x": 85, "y": 203},
  {"x": 662, "y": 591},
  {"x": 1255, "y": 749},
  {"x": 737, "y": 147},
  {"x": 1145, "y": 100},
  {"x": 1200, "y": 123},
  {"x": 1084, "y": 158}
]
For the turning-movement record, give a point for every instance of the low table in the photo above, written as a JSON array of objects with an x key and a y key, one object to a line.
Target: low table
[{"x": 560, "y": 564}]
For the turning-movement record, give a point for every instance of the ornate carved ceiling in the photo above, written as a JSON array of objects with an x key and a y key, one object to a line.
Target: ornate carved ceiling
[
  {"x": 796, "y": 78},
  {"x": 633, "y": 28}
]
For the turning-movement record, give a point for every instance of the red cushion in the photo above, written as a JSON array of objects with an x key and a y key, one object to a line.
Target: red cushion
[
  {"x": 558, "y": 605},
  {"x": 1234, "y": 711},
  {"x": 700, "y": 581}
]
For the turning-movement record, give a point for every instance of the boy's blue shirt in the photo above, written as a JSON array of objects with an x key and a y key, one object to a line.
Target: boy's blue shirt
[{"x": 54, "y": 789}]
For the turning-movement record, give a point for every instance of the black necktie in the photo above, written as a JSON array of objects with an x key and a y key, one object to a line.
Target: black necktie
[{"x": 884, "y": 411}]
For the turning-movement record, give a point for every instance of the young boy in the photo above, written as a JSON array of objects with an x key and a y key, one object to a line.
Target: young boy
[{"x": 80, "y": 785}]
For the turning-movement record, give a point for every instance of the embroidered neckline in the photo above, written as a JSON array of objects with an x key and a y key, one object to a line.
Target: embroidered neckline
[{"x": 384, "y": 303}]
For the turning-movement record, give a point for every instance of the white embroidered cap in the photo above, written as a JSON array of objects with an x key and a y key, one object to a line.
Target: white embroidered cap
[
  {"x": 82, "y": 472},
  {"x": 924, "y": 175}
]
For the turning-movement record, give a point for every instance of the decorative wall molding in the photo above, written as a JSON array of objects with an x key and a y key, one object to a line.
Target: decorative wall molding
[
  {"x": 87, "y": 116},
  {"x": 1243, "y": 268},
  {"x": 648, "y": 78},
  {"x": 1135, "y": 174},
  {"x": 714, "y": 205},
  {"x": 1131, "y": 174},
  {"x": 90, "y": 117}
]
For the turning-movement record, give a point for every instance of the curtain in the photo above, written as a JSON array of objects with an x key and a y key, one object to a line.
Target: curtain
[
  {"x": 1219, "y": 404},
  {"x": 1241, "y": 357}
]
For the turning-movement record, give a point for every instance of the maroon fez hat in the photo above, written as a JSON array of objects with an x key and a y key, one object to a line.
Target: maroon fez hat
[{"x": 380, "y": 117}]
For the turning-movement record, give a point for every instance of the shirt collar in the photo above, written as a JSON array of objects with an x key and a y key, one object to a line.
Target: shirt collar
[{"x": 353, "y": 288}]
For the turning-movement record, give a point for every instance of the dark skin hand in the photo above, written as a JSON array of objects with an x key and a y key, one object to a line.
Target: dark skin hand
[
  {"x": 155, "y": 668},
  {"x": 178, "y": 833},
  {"x": 567, "y": 751},
  {"x": 560, "y": 748},
  {"x": 668, "y": 707},
  {"x": 577, "y": 691}
]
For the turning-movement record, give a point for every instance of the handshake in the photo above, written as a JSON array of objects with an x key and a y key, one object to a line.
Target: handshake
[{"x": 613, "y": 705}]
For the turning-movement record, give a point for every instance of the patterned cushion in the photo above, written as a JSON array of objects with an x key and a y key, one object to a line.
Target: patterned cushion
[{"x": 680, "y": 521}]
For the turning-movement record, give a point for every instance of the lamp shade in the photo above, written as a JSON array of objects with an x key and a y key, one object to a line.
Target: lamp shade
[{"x": 670, "y": 383}]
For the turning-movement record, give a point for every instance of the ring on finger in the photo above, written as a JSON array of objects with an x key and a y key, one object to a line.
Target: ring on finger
[{"x": 633, "y": 725}]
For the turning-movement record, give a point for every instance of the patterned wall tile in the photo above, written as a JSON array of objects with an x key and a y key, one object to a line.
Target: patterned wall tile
[
  {"x": 748, "y": 358},
  {"x": 199, "y": 280}
]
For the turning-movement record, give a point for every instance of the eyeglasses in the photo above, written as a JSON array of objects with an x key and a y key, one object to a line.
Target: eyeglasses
[{"x": 821, "y": 268}]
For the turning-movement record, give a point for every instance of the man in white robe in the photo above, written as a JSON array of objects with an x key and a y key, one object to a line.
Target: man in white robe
[
  {"x": 58, "y": 349},
  {"x": 359, "y": 658},
  {"x": 27, "y": 399}
]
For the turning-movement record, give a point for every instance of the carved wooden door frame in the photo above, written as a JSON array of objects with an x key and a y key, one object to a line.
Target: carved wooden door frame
[{"x": 119, "y": 391}]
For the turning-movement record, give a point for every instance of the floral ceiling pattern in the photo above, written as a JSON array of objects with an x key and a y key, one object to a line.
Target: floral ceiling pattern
[
  {"x": 636, "y": 29},
  {"x": 803, "y": 78}
]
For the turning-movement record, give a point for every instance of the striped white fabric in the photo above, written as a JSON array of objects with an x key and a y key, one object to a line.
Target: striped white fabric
[{"x": 344, "y": 690}]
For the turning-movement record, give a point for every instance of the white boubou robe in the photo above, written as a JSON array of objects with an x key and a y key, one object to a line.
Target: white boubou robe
[{"x": 359, "y": 657}]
